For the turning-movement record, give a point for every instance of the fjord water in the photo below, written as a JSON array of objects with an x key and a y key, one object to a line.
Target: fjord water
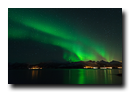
[{"x": 65, "y": 76}]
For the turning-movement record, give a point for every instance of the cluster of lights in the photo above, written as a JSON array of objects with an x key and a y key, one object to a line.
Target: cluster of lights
[
  {"x": 90, "y": 67},
  {"x": 105, "y": 67},
  {"x": 119, "y": 67},
  {"x": 35, "y": 67}
]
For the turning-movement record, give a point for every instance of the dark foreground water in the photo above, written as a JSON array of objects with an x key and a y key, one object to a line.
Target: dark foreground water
[{"x": 65, "y": 76}]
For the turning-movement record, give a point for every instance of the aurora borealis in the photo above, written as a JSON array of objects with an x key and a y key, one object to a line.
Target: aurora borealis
[{"x": 64, "y": 34}]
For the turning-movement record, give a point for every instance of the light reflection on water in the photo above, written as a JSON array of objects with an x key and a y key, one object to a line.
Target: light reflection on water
[
  {"x": 66, "y": 76},
  {"x": 105, "y": 76},
  {"x": 110, "y": 75},
  {"x": 120, "y": 70},
  {"x": 34, "y": 74},
  {"x": 91, "y": 76}
]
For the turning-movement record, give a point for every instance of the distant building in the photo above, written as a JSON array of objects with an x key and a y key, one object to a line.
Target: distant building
[
  {"x": 109, "y": 67},
  {"x": 95, "y": 67},
  {"x": 88, "y": 67},
  {"x": 119, "y": 67}
]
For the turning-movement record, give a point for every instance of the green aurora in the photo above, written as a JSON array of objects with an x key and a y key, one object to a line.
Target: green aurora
[{"x": 77, "y": 47}]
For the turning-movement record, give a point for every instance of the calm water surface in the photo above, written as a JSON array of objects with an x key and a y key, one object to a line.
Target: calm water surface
[{"x": 65, "y": 76}]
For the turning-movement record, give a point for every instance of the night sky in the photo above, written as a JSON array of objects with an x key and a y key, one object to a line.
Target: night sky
[{"x": 64, "y": 34}]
